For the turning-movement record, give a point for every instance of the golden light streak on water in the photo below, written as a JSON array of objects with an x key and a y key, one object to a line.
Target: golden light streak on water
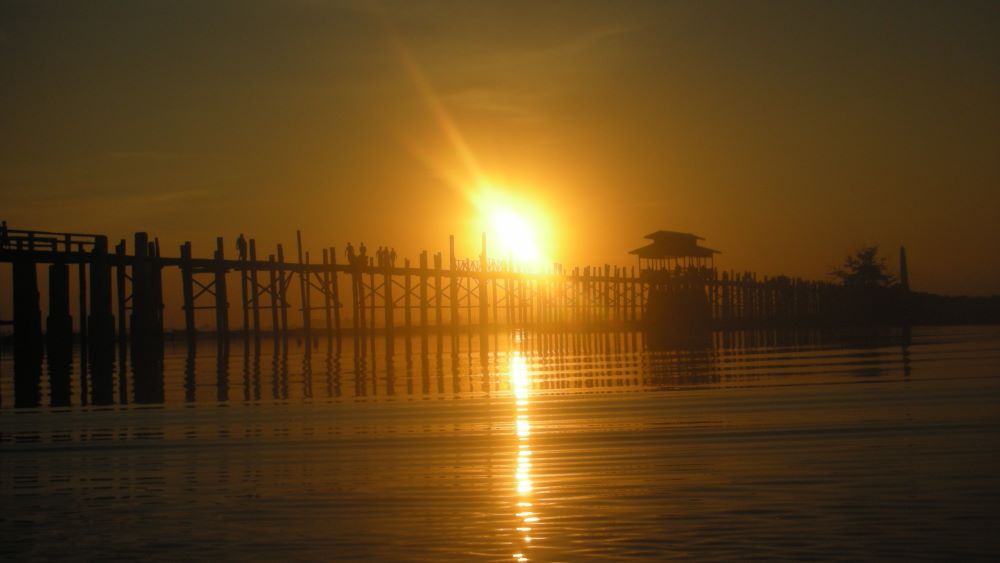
[{"x": 520, "y": 383}]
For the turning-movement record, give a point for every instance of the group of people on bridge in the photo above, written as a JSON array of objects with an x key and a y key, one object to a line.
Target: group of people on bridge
[{"x": 385, "y": 257}]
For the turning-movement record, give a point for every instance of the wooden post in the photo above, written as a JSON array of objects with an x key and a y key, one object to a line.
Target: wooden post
[
  {"x": 453, "y": 282},
  {"x": 632, "y": 296},
  {"x": 59, "y": 337},
  {"x": 156, "y": 285},
  {"x": 307, "y": 300},
  {"x": 494, "y": 300},
  {"x": 564, "y": 281},
  {"x": 187, "y": 287},
  {"x": 514, "y": 298},
  {"x": 122, "y": 310},
  {"x": 101, "y": 321},
  {"x": 536, "y": 304},
  {"x": 272, "y": 290},
  {"x": 327, "y": 311},
  {"x": 615, "y": 295},
  {"x": 255, "y": 291},
  {"x": 304, "y": 287},
  {"x": 423, "y": 289},
  {"x": 390, "y": 306},
  {"x": 525, "y": 295},
  {"x": 221, "y": 300},
  {"x": 483, "y": 289},
  {"x": 335, "y": 289},
  {"x": 100, "y": 326},
  {"x": 373, "y": 294},
  {"x": 356, "y": 294},
  {"x": 607, "y": 293},
  {"x": 244, "y": 295},
  {"x": 282, "y": 290},
  {"x": 407, "y": 289},
  {"x": 622, "y": 288},
  {"x": 726, "y": 302},
  {"x": 82, "y": 322},
  {"x": 437, "y": 289},
  {"x": 146, "y": 314},
  {"x": 140, "y": 296},
  {"x": 508, "y": 295},
  {"x": 363, "y": 296},
  {"x": 28, "y": 348},
  {"x": 59, "y": 325}
]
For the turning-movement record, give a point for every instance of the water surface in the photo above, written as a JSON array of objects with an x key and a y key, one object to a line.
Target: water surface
[{"x": 515, "y": 446}]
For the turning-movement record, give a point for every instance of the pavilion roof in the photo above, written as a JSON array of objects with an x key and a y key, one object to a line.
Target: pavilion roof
[
  {"x": 660, "y": 251},
  {"x": 676, "y": 235}
]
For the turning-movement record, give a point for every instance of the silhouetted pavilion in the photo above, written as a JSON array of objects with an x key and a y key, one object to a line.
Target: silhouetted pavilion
[{"x": 670, "y": 250}]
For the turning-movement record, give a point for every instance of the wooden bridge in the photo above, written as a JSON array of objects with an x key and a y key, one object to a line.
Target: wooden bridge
[{"x": 120, "y": 294}]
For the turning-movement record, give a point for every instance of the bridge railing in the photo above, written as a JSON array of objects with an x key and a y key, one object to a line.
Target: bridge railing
[{"x": 44, "y": 241}]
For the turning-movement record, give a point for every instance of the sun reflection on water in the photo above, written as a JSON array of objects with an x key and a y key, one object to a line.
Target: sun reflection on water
[{"x": 520, "y": 383}]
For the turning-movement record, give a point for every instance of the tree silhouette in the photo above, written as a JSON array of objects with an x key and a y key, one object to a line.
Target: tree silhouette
[{"x": 864, "y": 268}]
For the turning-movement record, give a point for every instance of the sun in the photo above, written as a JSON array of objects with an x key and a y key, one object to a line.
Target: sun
[
  {"x": 514, "y": 235},
  {"x": 517, "y": 230}
]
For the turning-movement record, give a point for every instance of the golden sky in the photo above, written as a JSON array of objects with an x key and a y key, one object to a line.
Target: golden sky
[{"x": 786, "y": 133}]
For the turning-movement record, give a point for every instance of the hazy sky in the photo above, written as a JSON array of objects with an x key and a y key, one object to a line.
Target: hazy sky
[{"x": 786, "y": 133}]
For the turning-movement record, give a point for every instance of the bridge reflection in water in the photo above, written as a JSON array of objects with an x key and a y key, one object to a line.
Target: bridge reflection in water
[{"x": 430, "y": 365}]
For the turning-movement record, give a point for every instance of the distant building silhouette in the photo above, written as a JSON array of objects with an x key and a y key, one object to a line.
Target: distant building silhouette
[{"x": 671, "y": 249}]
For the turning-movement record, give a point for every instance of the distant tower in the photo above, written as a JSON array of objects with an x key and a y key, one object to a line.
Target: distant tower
[{"x": 904, "y": 276}]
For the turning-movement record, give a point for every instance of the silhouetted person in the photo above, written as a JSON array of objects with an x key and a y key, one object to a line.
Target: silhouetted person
[
  {"x": 363, "y": 254},
  {"x": 3, "y": 234},
  {"x": 350, "y": 254},
  {"x": 241, "y": 246},
  {"x": 392, "y": 258}
]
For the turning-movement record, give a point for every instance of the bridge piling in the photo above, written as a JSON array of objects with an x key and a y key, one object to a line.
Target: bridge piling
[
  {"x": 59, "y": 324},
  {"x": 255, "y": 292},
  {"x": 28, "y": 348},
  {"x": 272, "y": 292},
  {"x": 187, "y": 290},
  {"x": 335, "y": 290},
  {"x": 221, "y": 297},
  {"x": 304, "y": 289}
]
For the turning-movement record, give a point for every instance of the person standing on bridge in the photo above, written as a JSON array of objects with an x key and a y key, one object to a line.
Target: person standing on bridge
[
  {"x": 351, "y": 258},
  {"x": 241, "y": 247}
]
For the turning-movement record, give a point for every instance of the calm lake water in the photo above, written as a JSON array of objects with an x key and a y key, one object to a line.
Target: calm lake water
[{"x": 517, "y": 447}]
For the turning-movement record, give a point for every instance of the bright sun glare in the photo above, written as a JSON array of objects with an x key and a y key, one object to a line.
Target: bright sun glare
[{"x": 516, "y": 230}]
